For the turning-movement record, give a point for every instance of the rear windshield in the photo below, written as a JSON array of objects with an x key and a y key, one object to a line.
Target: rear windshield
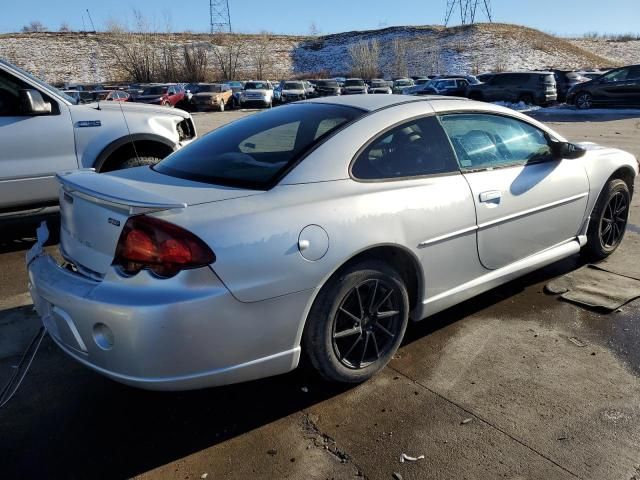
[{"x": 254, "y": 151}]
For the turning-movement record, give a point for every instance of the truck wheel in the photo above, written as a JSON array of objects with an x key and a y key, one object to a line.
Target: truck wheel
[{"x": 137, "y": 162}]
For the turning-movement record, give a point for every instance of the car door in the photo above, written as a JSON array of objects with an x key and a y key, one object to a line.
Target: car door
[
  {"x": 412, "y": 168},
  {"x": 612, "y": 88},
  {"x": 496, "y": 88},
  {"x": 526, "y": 200},
  {"x": 632, "y": 87},
  {"x": 33, "y": 147}
]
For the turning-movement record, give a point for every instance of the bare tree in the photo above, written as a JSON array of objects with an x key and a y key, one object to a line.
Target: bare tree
[
  {"x": 262, "y": 55},
  {"x": 434, "y": 57},
  {"x": 227, "y": 51},
  {"x": 364, "y": 58},
  {"x": 194, "y": 63},
  {"x": 34, "y": 26},
  {"x": 64, "y": 27},
  {"x": 400, "y": 57}
]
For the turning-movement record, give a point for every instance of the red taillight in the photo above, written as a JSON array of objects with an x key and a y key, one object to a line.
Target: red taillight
[{"x": 159, "y": 246}]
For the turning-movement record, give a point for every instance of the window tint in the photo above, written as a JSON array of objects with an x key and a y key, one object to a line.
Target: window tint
[
  {"x": 502, "y": 79},
  {"x": 254, "y": 151},
  {"x": 486, "y": 141},
  {"x": 616, "y": 76},
  {"x": 634, "y": 73},
  {"x": 10, "y": 87},
  {"x": 418, "y": 147}
]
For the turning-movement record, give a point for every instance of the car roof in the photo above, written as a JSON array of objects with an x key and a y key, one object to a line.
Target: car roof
[{"x": 371, "y": 103}]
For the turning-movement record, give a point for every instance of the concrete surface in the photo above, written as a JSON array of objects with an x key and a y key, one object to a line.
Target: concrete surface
[{"x": 494, "y": 388}]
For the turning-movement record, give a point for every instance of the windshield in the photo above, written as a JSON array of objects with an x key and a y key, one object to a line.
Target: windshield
[
  {"x": 293, "y": 86},
  {"x": 379, "y": 83},
  {"x": 210, "y": 88},
  {"x": 422, "y": 81},
  {"x": 256, "y": 86},
  {"x": 403, "y": 83},
  {"x": 155, "y": 90},
  {"x": 354, "y": 83},
  {"x": 328, "y": 83},
  {"x": 254, "y": 151},
  {"x": 43, "y": 84}
]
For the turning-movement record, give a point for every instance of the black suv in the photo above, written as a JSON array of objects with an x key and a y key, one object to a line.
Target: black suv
[
  {"x": 533, "y": 88},
  {"x": 619, "y": 87}
]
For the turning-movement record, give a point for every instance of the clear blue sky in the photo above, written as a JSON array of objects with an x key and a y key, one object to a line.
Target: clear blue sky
[{"x": 295, "y": 16}]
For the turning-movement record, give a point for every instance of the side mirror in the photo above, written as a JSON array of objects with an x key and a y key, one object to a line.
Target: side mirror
[
  {"x": 566, "y": 150},
  {"x": 32, "y": 103}
]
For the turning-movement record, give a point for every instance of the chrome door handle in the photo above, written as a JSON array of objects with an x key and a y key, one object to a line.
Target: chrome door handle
[{"x": 490, "y": 196}]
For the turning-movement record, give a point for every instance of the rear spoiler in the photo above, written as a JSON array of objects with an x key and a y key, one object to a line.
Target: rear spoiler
[{"x": 114, "y": 190}]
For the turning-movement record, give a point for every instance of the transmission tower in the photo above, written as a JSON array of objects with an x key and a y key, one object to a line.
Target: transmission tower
[
  {"x": 468, "y": 9},
  {"x": 220, "y": 18}
]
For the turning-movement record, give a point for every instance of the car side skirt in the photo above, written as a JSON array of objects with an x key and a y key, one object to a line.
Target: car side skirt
[{"x": 500, "y": 276}]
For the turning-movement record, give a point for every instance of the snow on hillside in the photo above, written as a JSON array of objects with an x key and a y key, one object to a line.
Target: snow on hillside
[
  {"x": 623, "y": 52},
  {"x": 471, "y": 49},
  {"x": 89, "y": 58}
]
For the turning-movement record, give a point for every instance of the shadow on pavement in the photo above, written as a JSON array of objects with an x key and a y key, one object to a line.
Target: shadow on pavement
[{"x": 16, "y": 235}]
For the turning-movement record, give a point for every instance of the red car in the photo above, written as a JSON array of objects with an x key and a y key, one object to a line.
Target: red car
[{"x": 166, "y": 95}]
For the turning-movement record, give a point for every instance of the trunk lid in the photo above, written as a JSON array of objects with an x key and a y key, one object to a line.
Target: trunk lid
[{"x": 95, "y": 207}]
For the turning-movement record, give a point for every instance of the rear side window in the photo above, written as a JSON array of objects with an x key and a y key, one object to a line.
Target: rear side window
[
  {"x": 254, "y": 151},
  {"x": 484, "y": 141},
  {"x": 415, "y": 148}
]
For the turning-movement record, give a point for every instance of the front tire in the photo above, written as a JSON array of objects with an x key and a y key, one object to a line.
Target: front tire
[
  {"x": 608, "y": 220},
  {"x": 584, "y": 101},
  {"x": 357, "y": 322}
]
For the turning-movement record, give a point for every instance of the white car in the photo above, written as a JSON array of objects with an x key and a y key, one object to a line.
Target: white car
[
  {"x": 318, "y": 228},
  {"x": 293, "y": 91},
  {"x": 256, "y": 93}
]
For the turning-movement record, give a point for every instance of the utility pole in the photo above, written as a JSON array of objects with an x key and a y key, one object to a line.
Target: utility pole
[
  {"x": 220, "y": 20},
  {"x": 468, "y": 9}
]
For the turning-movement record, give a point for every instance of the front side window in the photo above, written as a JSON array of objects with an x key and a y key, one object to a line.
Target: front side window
[
  {"x": 616, "y": 76},
  {"x": 487, "y": 141},
  {"x": 254, "y": 151},
  {"x": 416, "y": 148}
]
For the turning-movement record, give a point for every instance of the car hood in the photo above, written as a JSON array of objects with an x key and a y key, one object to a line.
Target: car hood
[
  {"x": 356, "y": 87},
  {"x": 294, "y": 92},
  {"x": 128, "y": 107},
  {"x": 257, "y": 91},
  {"x": 206, "y": 94}
]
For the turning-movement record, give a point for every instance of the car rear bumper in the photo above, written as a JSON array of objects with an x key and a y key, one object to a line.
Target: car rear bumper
[{"x": 185, "y": 334}]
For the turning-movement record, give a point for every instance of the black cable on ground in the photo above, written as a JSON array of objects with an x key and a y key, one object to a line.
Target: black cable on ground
[{"x": 12, "y": 386}]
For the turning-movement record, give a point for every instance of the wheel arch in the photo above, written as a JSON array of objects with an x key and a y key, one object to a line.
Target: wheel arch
[
  {"x": 145, "y": 144},
  {"x": 395, "y": 255}
]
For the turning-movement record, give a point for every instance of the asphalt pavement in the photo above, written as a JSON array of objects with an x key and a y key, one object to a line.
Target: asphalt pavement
[{"x": 496, "y": 387}]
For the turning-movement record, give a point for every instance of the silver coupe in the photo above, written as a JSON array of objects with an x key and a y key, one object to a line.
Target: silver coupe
[{"x": 318, "y": 228}]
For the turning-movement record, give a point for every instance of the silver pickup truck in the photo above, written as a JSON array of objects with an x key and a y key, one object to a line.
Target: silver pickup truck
[{"x": 44, "y": 131}]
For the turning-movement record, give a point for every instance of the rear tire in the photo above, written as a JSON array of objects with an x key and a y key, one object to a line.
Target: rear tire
[
  {"x": 583, "y": 101},
  {"x": 357, "y": 322},
  {"x": 608, "y": 220},
  {"x": 527, "y": 99}
]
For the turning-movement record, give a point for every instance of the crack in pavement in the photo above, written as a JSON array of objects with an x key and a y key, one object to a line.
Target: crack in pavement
[
  {"x": 417, "y": 382},
  {"x": 322, "y": 440}
]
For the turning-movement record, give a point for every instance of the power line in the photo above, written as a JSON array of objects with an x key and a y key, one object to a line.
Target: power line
[
  {"x": 220, "y": 20},
  {"x": 468, "y": 10}
]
